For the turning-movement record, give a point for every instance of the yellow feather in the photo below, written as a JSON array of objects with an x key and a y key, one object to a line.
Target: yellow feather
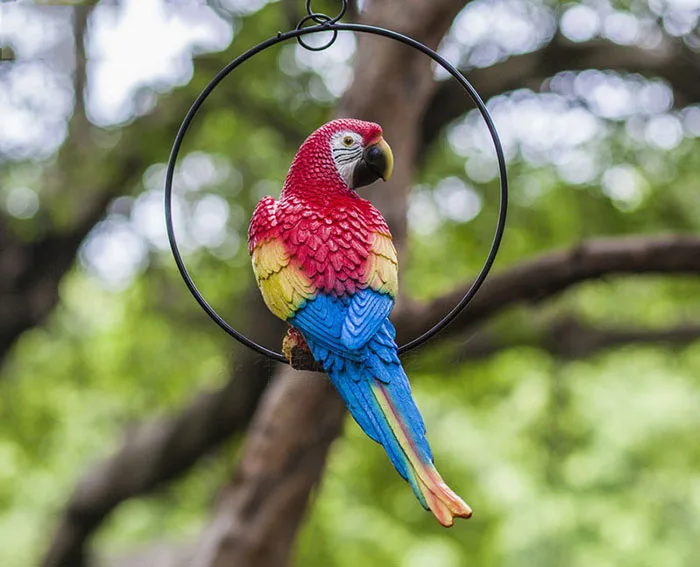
[
  {"x": 283, "y": 285},
  {"x": 269, "y": 257},
  {"x": 382, "y": 270},
  {"x": 383, "y": 245}
]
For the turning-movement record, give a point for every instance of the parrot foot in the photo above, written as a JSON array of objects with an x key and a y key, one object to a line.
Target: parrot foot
[{"x": 297, "y": 352}]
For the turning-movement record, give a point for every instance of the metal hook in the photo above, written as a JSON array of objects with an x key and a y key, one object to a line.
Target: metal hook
[{"x": 321, "y": 18}]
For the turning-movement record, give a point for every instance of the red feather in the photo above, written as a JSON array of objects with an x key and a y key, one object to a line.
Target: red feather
[{"x": 326, "y": 226}]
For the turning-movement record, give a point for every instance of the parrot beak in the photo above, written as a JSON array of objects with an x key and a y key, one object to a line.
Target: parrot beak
[{"x": 377, "y": 161}]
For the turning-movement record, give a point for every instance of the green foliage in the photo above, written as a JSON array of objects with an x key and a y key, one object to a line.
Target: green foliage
[{"x": 564, "y": 462}]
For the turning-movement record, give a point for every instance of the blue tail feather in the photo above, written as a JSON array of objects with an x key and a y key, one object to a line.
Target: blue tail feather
[
  {"x": 329, "y": 324},
  {"x": 354, "y": 384},
  {"x": 361, "y": 359}
]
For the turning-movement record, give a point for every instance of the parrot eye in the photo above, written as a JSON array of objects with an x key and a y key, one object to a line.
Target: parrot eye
[{"x": 348, "y": 141}]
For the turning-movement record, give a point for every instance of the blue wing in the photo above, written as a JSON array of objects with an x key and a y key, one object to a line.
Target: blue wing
[
  {"x": 344, "y": 325},
  {"x": 366, "y": 314}
]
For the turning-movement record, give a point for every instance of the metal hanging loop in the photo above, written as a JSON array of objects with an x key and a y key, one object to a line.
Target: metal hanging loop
[
  {"x": 323, "y": 21},
  {"x": 326, "y": 23},
  {"x": 322, "y": 18}
]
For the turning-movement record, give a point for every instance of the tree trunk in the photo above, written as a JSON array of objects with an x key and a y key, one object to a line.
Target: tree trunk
[{"x": 259, "y": 514}]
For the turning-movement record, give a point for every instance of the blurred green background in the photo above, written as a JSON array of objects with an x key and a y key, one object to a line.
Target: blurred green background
[{"x": 571, "y": 456}]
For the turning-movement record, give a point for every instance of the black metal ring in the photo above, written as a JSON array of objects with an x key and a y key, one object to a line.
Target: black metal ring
[
  {"x": 361, "y": 28},
  {"x": 322, "y": 20}
]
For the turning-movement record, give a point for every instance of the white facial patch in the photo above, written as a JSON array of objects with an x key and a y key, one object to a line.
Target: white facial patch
[{"x": 346, "y": 148}]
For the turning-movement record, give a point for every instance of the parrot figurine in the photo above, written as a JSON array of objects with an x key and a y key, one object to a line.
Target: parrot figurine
[{"x": 325, "y": 263}]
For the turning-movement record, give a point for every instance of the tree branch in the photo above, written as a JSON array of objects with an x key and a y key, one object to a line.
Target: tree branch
[
  {"x": 672, "y": 61},
  {"x": 552, "y": 273},
  {"x": 569, "y": 338}
]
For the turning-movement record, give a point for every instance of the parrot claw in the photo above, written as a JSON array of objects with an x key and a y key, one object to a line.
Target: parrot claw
[
  {"x": 297, "y": 352},
  {"x": 294, "y": 340}
]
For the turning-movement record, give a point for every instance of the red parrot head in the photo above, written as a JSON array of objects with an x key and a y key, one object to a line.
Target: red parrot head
[{"x": 350, "y": 152}]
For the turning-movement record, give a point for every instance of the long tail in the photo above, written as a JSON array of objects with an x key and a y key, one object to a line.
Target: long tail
[{"x": 378, "y": 396}]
